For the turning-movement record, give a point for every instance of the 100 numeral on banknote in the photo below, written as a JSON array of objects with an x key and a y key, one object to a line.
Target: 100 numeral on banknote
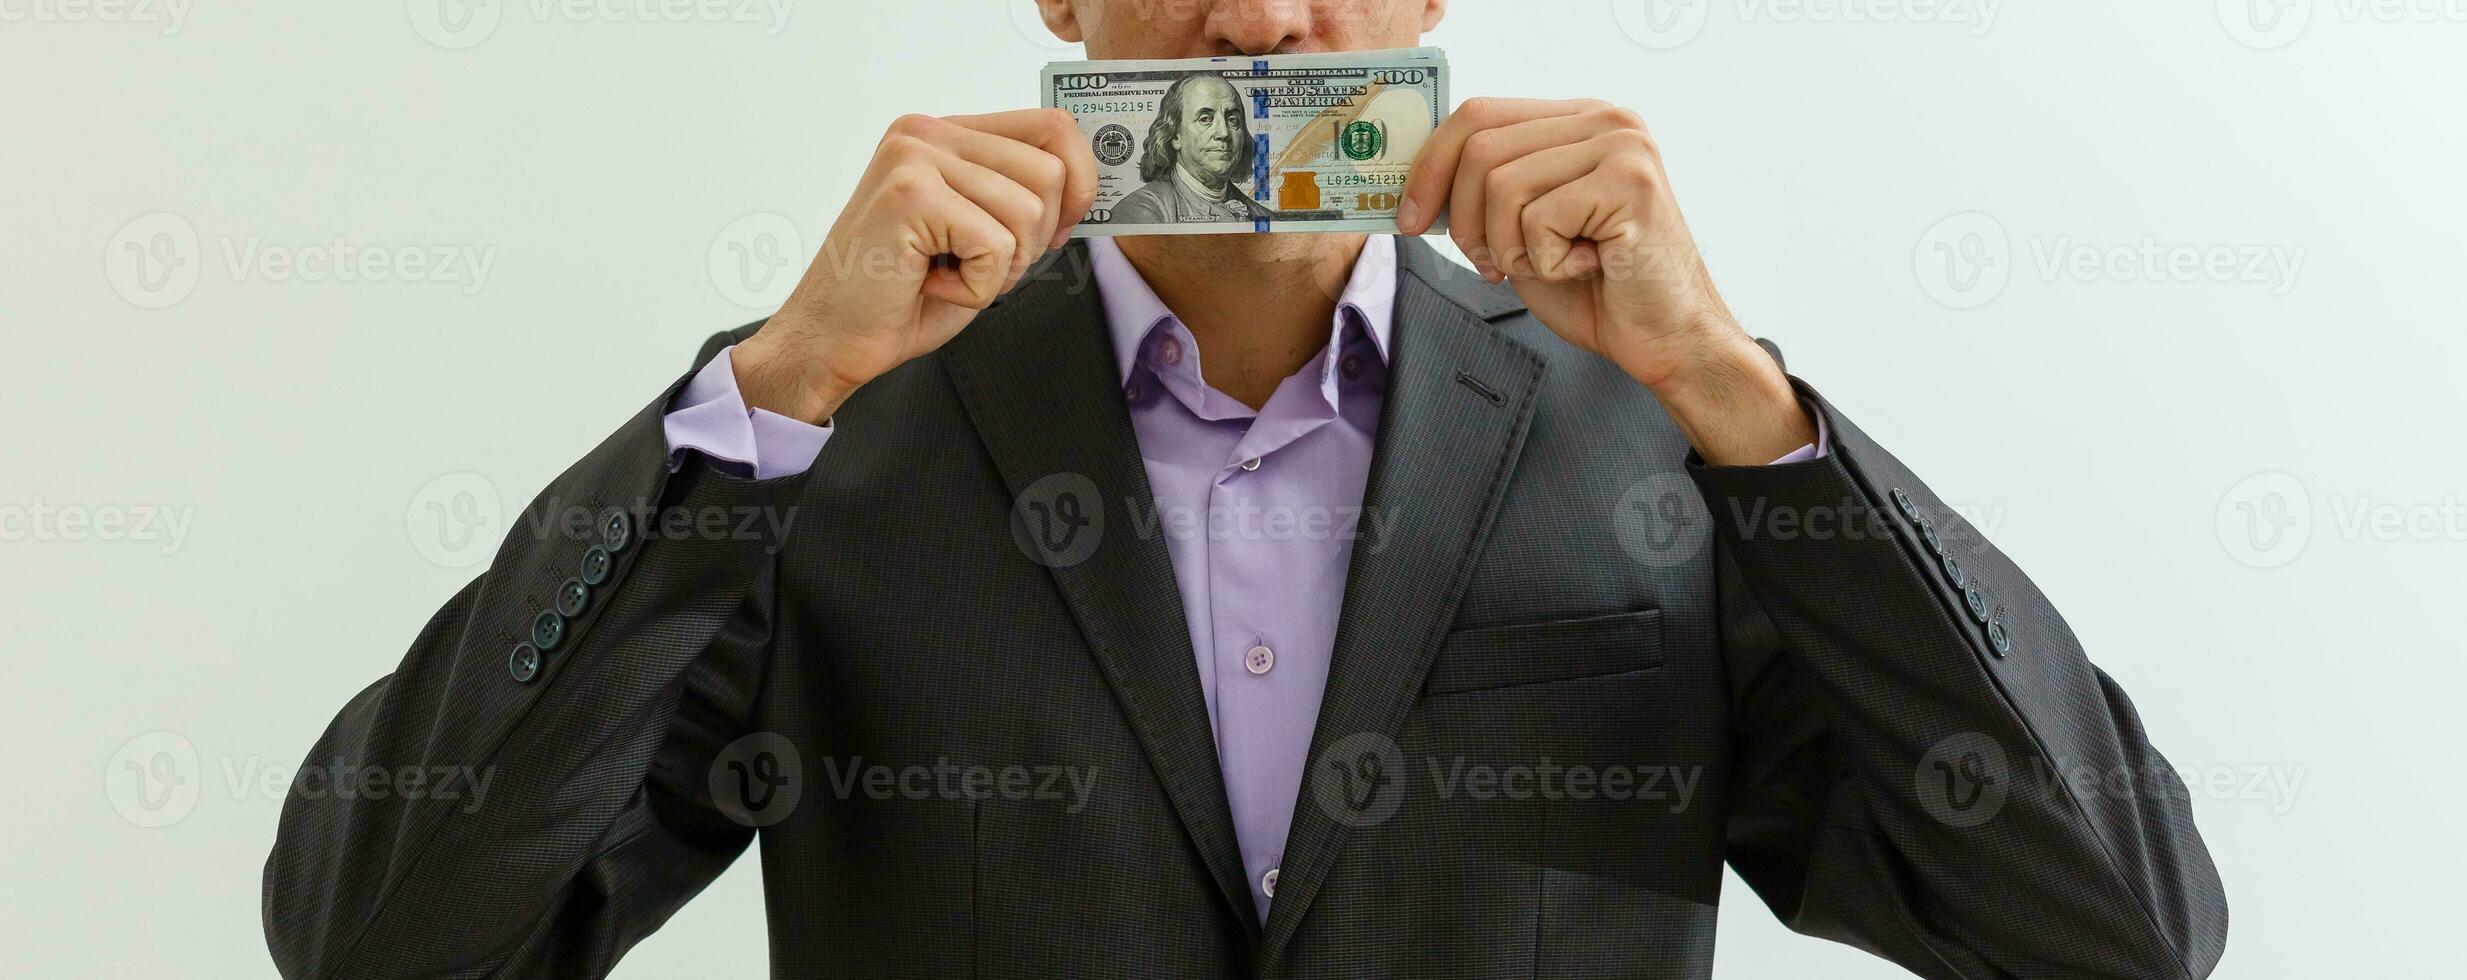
[{"x": 1309, "y": 142}]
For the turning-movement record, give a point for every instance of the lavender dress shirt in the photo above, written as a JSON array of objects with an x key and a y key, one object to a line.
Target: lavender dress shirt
[{"x": 1259, "y": 511}]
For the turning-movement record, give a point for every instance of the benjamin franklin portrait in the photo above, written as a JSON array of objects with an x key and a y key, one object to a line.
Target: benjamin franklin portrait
[{"x": 1196, "y": 153}]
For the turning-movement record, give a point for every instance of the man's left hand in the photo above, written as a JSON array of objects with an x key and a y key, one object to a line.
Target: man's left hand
[{"x": 1567, "y": 201}]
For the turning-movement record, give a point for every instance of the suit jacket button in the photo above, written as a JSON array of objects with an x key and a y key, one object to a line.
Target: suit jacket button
[
  {"x": 524, "y": 664},
  {"x": 616, "y": 530},
  {"x": 595, "y": 566},
  {"x": 572, "y": 598},
  {"x": 1998, "y": 638},
  {"x": 1976, "y": 600},
  {"x": 547, "y": 630}
]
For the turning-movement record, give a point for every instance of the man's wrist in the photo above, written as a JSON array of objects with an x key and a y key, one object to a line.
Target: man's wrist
[
  {"x": 797, "y": 388},
  {"x": 1733, "y": 403}
]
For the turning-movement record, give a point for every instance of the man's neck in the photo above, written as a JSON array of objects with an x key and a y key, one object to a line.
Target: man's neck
[{"x": 1260, "y": 306}]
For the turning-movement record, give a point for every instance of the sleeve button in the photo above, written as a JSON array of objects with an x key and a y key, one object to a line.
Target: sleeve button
[
  {"x": 616, "y": 530},
  {"x": 1953, "y": 573},
  {"x": 524, "y": 663},
  {"x": 547, "y": 630},
  {"x": 1998, "y": 638},
  {"x": 1903, "y": 503},
  {"x": 572, "y": 598},
  {"x": 595, "y": 566},
  {"x": 1976, "y": 600}
]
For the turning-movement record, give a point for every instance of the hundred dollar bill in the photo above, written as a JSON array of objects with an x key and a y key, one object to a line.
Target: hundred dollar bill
[{"x": 1304, "y": 142}]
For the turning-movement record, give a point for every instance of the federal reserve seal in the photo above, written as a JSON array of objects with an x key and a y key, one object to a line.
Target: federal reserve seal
[
  {"x": 1113, "y": 144},
  {"x": 1363, "y": 140}
]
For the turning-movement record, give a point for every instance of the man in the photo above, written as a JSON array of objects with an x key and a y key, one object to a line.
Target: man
[
  {"x": 1198, "y": 146},
  {"x": 1444, "y": 625}
]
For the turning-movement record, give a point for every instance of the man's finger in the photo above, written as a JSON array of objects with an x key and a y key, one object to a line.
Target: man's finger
[
  {"x": 1055, "y": 132},
  {"x": 1487, "y": 152},
  {"x": 1042, "y": 174},
  {"x": 1509, "y": 190},
  {"x": 1027, "y": 216},
  {"x": 1434, "y": 169},
  {"x": 951, "y": 225}
]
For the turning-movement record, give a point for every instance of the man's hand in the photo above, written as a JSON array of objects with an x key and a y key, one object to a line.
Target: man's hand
[
  {"x": 951, "y": 212},
  {"x": 1568, "y": 202}
]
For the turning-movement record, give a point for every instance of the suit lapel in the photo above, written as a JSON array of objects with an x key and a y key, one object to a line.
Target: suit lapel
[
  {"x": 1461, "y": 394},
  {"x": 1037, "y": 375}
]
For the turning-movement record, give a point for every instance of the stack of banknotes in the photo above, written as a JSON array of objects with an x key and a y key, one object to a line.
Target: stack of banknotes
[{"x": 1283, "y": 143}]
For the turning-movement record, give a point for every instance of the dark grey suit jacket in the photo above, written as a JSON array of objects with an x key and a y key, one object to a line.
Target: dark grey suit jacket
[{"x": 1816, "y": 672}]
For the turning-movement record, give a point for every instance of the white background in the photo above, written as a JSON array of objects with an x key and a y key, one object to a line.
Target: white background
[{"x": 2103, "y": 427}]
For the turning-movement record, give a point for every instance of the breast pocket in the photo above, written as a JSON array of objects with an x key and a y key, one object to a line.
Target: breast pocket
[{"x": 1494, "y": 658}]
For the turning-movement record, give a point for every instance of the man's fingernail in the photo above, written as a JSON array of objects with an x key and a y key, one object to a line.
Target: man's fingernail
[{"x": 1409, "y": 214}]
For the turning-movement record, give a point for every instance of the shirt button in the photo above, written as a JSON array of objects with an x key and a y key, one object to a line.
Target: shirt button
[
  {"x": 1351, "y": 365},
  {"x": 1267, "y": 882},
  {"x": 1170, "y": 350},
  {"x": 1259, "y": 660},
  {"x": 1130, "y": 392},
  {"x": 1250, "y": 464}
]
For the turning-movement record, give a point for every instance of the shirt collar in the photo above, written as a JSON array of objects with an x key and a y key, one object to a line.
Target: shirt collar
[{"x": 1133, "y": 311}]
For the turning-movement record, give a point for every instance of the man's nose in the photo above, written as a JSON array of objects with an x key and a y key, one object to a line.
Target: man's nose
[{"x": 1256, "y": 27}]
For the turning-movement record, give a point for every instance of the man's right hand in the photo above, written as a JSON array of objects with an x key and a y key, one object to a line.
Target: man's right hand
[{"x": 950, "y": 213}]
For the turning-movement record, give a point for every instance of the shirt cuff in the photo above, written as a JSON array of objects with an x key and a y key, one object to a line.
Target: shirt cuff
[
  {"x": 711, "y": 418},
  {"x": 1819, "y": 449}
]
